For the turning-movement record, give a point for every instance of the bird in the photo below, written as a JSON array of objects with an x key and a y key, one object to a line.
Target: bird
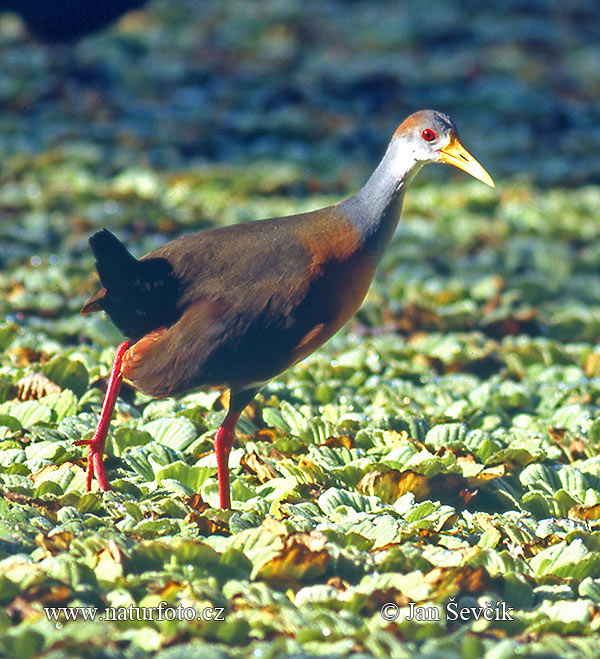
[
  {"x": 237, "y": 305},
  {"x": 64, "y": 21}
]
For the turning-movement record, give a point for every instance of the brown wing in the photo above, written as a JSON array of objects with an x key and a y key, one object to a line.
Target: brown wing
[
  {"x": 252, "y": 300},
  {"x": 170, "y": 359}
]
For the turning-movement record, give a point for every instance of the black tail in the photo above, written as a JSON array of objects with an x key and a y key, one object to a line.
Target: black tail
[
  {"x": 141, "y": 295},
  {"x": 117, "y": 268}
]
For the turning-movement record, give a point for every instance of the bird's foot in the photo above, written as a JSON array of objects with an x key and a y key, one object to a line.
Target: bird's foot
[{"x": 95, "y": 466}]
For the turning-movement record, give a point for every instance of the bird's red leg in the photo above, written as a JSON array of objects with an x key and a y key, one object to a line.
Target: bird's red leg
[
  {"x": 98, "y": 439},
  {"x": 223, "y": 443}
]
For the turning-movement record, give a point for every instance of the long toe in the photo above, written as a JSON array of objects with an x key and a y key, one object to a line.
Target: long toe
[{"x": 96, "y": 468}]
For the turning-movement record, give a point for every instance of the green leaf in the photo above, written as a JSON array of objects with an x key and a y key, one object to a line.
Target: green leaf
[
  {"x": 10, "y": 424},
  {"x": 192, "y": 477},
  {"x": 8, "y": 332},
  {"x": 590, "y": 588},
  {"x": 123, "y": 438},
  {"x": 64, "y": 404},
  {"x": 27, "y": 413},
  {"x": 446, "y": 434},
  {"x": 333, "y": 498},
  {"x": 68, "y": 374},
  {"x": 22, "y": 643},
  {"x": 176, "y": 433},
  {"x": 573, "y": 561}
]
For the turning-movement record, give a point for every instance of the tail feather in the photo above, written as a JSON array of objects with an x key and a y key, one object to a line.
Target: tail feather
[
  {"x": 138, "y": 295},
  {"x": 116, "y": 267},
  {"x": 94, "y": 303}
]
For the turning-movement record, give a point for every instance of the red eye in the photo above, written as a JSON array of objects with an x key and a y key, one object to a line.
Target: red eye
[{"x": 429, "y": 135}]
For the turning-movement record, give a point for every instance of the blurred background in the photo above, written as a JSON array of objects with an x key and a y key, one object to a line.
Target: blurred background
[
  {"x": 183, "y": 113},
  {"x": 322, "y": 83}
]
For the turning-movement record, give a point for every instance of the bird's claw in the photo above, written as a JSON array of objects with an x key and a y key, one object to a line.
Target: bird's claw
[
  {"x": 95, "y": 464},
  {"x": 97, "y": 441}
]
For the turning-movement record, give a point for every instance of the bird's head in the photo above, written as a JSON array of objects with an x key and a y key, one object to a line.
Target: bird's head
[{"x": 430, "y": 136}]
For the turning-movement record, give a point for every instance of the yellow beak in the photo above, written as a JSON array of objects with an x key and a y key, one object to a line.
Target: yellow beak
[{"x": 454, "y": 153}]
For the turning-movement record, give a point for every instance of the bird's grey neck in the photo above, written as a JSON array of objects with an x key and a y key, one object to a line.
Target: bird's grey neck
[{"x": 376, "y": 208}]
